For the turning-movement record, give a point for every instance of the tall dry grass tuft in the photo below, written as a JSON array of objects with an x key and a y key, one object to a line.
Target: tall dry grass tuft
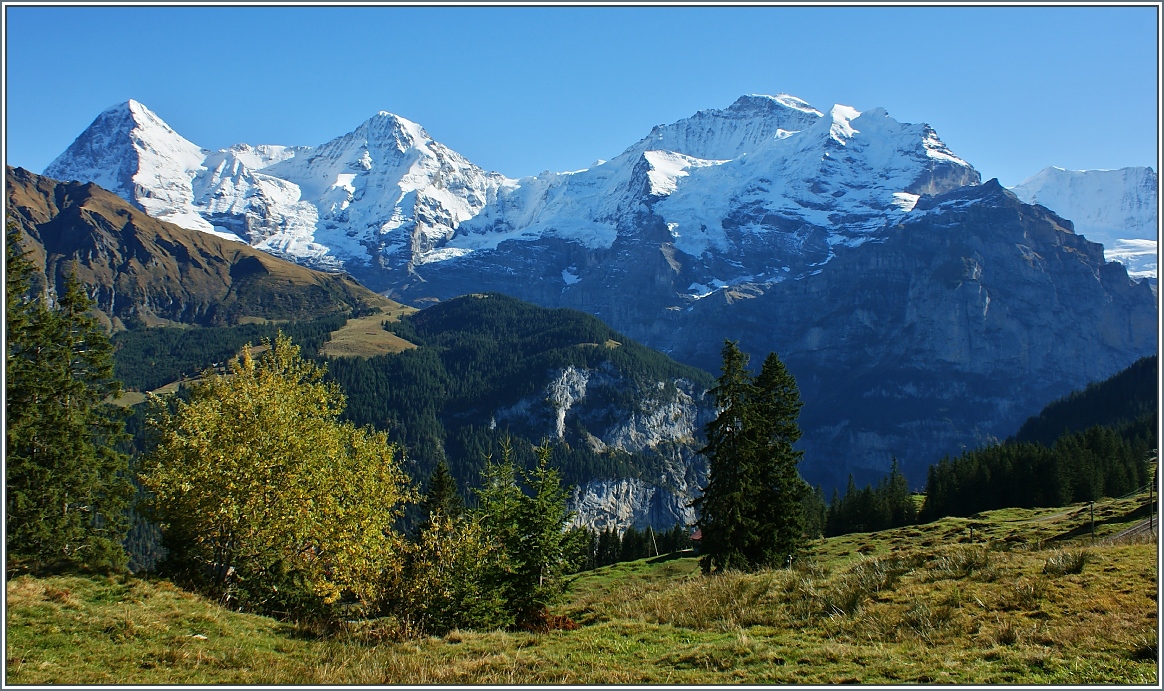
[
  {"x": 845, "y": 593},
  {"x": 960, "y": 562},
  {"x": 1006, "y": 633},
  {"x": 723, "y": 602},
  {"x": 925, "y": 621},
  {"x": 1026, "y": 594},
  {"x": 1064, "y": 562}
]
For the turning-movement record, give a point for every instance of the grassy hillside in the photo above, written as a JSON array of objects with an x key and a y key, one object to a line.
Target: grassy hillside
[{"x": 1030, "y": 599}]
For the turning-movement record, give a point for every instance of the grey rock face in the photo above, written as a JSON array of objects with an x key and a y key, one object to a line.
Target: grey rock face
[
  {"x": 660, "y": 421},
  {"x": 625, "y": 503}
]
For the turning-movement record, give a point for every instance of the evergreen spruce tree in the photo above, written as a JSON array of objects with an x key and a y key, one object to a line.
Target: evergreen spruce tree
[
  {"x": 67, "y": 491},
  {"x": 442, "y": 496},
  {"x": 530, "y": 531},
  {"x": 752, "y": 511},
  {"x": 776, "y": 488},
  {"x": 608, "y": 548},
  {"x": 722, "y": 513},
  {"x": 902, "y": 509}
]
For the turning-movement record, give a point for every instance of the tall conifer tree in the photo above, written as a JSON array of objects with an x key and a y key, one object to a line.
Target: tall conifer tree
[
  {"x": 442, "y": 496},
  {"x": 67, "y": 491},
  {"x": 774, "y": 481},
  {"x": 752, "y": 510},
  {"x": 722, "y": 510}
]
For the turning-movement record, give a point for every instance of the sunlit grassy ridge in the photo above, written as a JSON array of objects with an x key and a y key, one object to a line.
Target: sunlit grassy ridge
[
  {"x": 1031, "y": 600},
  {"x": 367, "y": 337}
]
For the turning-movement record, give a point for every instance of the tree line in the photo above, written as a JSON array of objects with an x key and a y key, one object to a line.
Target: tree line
[
  {"x": 888, "y": 504},
  {"x": 1080, "y": 466},
  {"x": 609, "y": 546}
]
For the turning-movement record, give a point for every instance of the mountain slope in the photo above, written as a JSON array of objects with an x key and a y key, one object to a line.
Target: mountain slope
[
  {"x": 626, "y": 421},
  {"x": 1124, "y": 398},
  {"x": 146, "y": 272},
  {"x": 1114, "y": 207}
]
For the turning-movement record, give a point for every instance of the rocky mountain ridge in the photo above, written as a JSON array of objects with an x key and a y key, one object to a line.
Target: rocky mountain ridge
[
  {"x": 146, "y": 272},
  {"x": 1117, "y": 208}
]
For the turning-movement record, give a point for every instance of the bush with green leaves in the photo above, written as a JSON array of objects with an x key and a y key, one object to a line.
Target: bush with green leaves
[
  {"x": 266, "y": 499},
  {"x": 445, "y": 583}
]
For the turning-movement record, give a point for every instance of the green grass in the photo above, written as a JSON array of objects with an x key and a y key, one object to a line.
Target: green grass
[{"x": 1029, "y": 601}]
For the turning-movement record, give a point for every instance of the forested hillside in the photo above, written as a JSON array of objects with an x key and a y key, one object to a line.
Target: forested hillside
[
  {"x": 489, "y": 365},
  {"x": 1126, "y": 399},
  {"x": 150, "y": 358},
  {"x": 487, "y": 368},
  {"x": 1096, "y": 442}
]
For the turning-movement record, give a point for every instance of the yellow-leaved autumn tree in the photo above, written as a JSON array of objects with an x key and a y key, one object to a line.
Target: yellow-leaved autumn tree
[{"x": 266, "y": 498}]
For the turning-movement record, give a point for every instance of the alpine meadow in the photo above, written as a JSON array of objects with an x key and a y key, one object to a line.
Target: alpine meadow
[{"x": 781, "y": 393}]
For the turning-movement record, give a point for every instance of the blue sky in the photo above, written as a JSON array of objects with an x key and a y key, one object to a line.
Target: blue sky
[{"x": 522, "y": 90}]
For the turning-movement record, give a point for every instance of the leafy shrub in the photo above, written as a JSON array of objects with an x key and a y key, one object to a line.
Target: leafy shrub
[
  {"x": 442, "y": 585},
  {"x": 265, "y": 499}
]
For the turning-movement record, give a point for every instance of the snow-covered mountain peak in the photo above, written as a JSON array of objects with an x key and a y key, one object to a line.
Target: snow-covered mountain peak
[
  {"x": 131, "y": 151},
  {"x": 388, "y": 184},
  {"x": 841, "y": 118},
  {"x": 386, "y": 196},
  {"x": 752, "y": 104},
  {"x": 742, "y": 127},
  {"x": 786, "y": 100}
]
